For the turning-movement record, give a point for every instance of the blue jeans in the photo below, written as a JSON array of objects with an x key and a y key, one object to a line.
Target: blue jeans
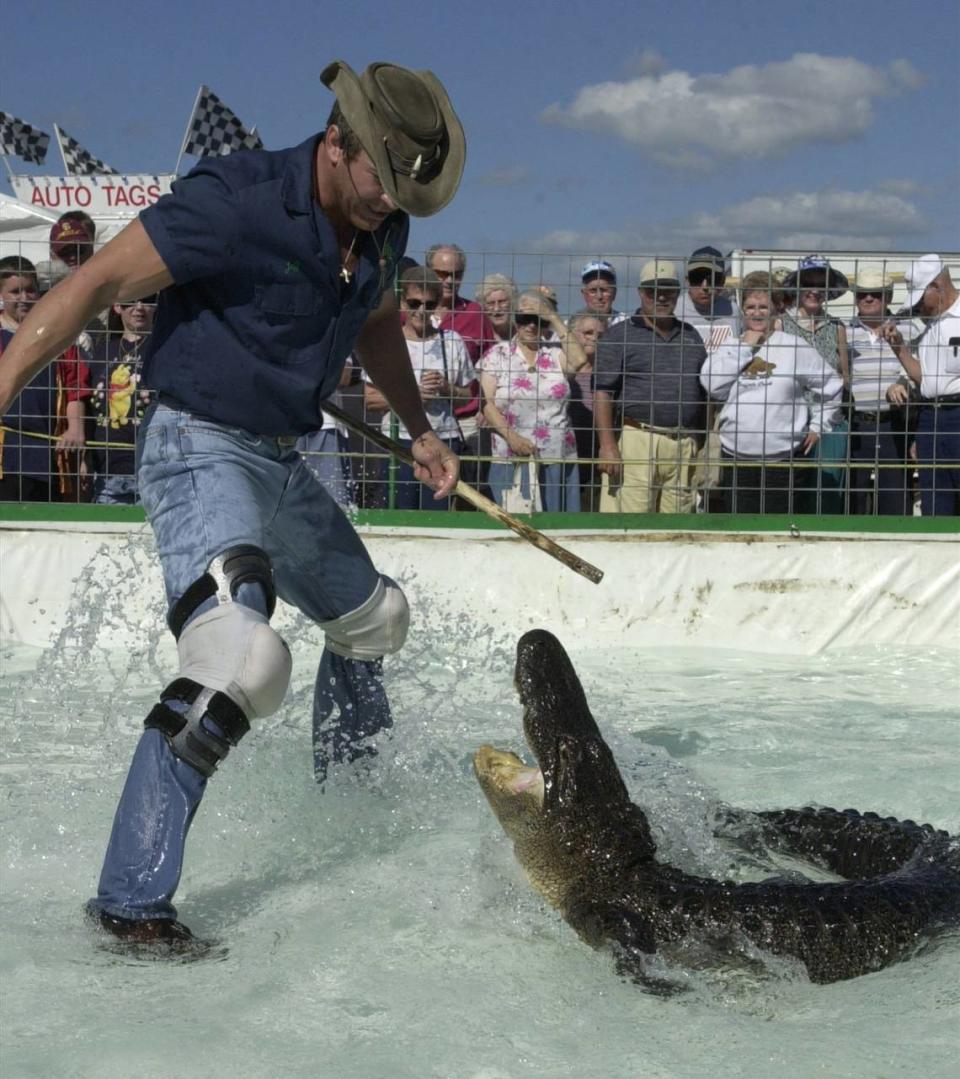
[
  {"x": 938, "y": 444},
  {"x": 205, "y": 488},
  {"x": 115, "y": 490},
  {"x": 325, "y": 453},
  {"x": 559, "y": 484}
]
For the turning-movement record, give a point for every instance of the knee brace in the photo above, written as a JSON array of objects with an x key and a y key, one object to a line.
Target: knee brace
[
  {"x": 377, "y": 627},
  {"x": 233, "y": 666}
]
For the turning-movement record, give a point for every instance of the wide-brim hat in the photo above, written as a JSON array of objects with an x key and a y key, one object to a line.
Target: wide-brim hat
[
  {"x": 817, "y": 268},
  {"x": 405, "y": 122},
  {"x": 873, "y": 280}
]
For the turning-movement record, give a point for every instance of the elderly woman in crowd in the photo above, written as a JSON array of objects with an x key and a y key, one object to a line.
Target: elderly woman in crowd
[
  {"x": 808, "y": 290},
  {"x": 766, "y": 422},
  {"x": 878, "y": 429},
  {"x": 586, "y": 327},
  {"x": 525, "y": 394},
  {"x": 497, "y": 296}
]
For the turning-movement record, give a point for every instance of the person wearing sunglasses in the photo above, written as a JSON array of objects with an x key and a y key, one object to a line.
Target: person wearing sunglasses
[
  {"x": 879, "y": 431},
  {"x": 273, "y": 266},
  {"x": 526, "y": 392},
  {"x": 444, "y": 371},
  {"x": 704, "y": 304},
  {"x": 117, "y": 401},
  {"x": 463, "y": 317}
]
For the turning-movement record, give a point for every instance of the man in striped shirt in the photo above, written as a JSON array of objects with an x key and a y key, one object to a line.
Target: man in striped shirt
[{"x": 879, "y": 478}]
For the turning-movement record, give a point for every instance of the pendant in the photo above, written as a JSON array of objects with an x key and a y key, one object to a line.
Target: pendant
[{"x": 345, "y": 275}]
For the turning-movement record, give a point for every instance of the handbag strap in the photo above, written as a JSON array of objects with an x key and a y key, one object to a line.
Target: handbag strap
[{"x": 446, "y": 375}]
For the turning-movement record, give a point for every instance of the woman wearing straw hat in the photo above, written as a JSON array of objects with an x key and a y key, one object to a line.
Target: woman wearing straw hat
[{"x": 272, "y": 267}]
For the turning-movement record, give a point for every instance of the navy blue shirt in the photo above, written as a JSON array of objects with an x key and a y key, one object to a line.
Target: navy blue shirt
[
  {"x": 258, "y": 324},
  {"x": 31, "y": 419},
  {"x": 656, "y": 379},
  {"x": 116, "y": 404}
]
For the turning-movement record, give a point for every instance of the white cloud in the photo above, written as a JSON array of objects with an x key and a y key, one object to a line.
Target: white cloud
[
  {"x": 750, "y": 111},
  {"x": 821, "y": 220}
]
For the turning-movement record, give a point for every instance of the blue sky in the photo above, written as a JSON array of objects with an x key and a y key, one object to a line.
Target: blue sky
[{"x": 610, "y": 127}]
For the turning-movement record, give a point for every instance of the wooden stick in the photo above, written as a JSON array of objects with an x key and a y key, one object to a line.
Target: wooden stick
[{"x": 473, "y": 496}]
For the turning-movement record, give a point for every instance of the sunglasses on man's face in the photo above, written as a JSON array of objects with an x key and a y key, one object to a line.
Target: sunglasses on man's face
[
  {"x": 445, "y": 275},
  {"x": 147, "y": 301},
  {"x": 427, "y": 305},
  {"x": 705, "y": 277},
  {"x": 525, "y": 319},
  {"x": 868, "y": 293}
]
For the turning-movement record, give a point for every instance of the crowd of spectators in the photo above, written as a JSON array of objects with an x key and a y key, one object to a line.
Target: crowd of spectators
[{"x": 714, "y": 395}]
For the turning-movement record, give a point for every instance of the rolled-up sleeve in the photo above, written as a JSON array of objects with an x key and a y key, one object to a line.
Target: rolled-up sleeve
[{"x": 196, "y": 228}]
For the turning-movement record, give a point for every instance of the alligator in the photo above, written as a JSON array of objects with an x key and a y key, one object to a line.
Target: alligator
[{"x": 590, "y": 852}]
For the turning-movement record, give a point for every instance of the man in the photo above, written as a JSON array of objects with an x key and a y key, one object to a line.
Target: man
[
  {"x": 704, "y": 305},
  {"x": 879, "y": 479},
  {"x": 464, "y": 317},
  {"x": 935, "y": 368},
  {"x": 599, "y": 290},
  {"x": 650, "y": 365},
  {"x": 273, "y": 266}
]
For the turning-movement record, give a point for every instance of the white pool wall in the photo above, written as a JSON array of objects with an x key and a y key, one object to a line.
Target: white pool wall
[{"x": 752, "y": 592}]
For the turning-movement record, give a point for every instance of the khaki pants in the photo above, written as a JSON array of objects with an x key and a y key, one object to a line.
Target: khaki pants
[{"x": 658, "y": 474}]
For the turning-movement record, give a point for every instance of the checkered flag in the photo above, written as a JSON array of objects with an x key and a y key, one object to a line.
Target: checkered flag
[
  {"x": 22, "y": 140},
  {"x": 215, "y": 129},
  {"x": 77, "y": 161}
]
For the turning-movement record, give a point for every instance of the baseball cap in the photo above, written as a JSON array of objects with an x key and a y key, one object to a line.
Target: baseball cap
[
  {"x": 598, "y": 268},
  {"x": 659, "y": 272},
  {"x": 919, "y": 274},
  {"x": 68, "y": 234},
  {"x": 707, "y": 258}
]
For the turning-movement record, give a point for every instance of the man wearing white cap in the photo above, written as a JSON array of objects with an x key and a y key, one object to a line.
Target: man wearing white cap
[
  {"x": 650, "y": 366},
  {"x": 935, "y": 368}
]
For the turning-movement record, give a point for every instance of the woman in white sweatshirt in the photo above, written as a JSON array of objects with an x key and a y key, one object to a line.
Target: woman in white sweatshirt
[{"x": 766, "y": 421}]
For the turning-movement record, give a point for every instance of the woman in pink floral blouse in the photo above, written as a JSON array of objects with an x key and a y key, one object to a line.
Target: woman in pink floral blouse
[{"x": 525, "y": 394}]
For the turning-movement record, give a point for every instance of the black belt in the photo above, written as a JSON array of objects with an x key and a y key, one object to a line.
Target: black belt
[{"x": 947, "y": 399}]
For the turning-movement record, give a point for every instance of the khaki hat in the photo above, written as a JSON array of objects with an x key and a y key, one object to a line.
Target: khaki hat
[
  {"x": 659, "y": 272},
  {"x": 873, "y": 281},
  {"x": 405, "y": 122}
]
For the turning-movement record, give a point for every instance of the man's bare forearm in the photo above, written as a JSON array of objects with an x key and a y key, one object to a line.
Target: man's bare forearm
[
  {"x": 382, "y": 351},
  {"x": 126, "y": 268}
]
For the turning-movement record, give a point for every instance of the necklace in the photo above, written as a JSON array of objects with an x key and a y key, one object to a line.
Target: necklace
[{"x": 346, "y": 276}]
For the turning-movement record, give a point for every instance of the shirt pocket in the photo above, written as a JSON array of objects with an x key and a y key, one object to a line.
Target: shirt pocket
[{"x": 285, "y": 302}]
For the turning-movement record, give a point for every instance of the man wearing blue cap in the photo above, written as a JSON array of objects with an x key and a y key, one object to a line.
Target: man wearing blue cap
[
  {"x": 272, "y": 267},
  {"x": 599, "y": 292}
]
